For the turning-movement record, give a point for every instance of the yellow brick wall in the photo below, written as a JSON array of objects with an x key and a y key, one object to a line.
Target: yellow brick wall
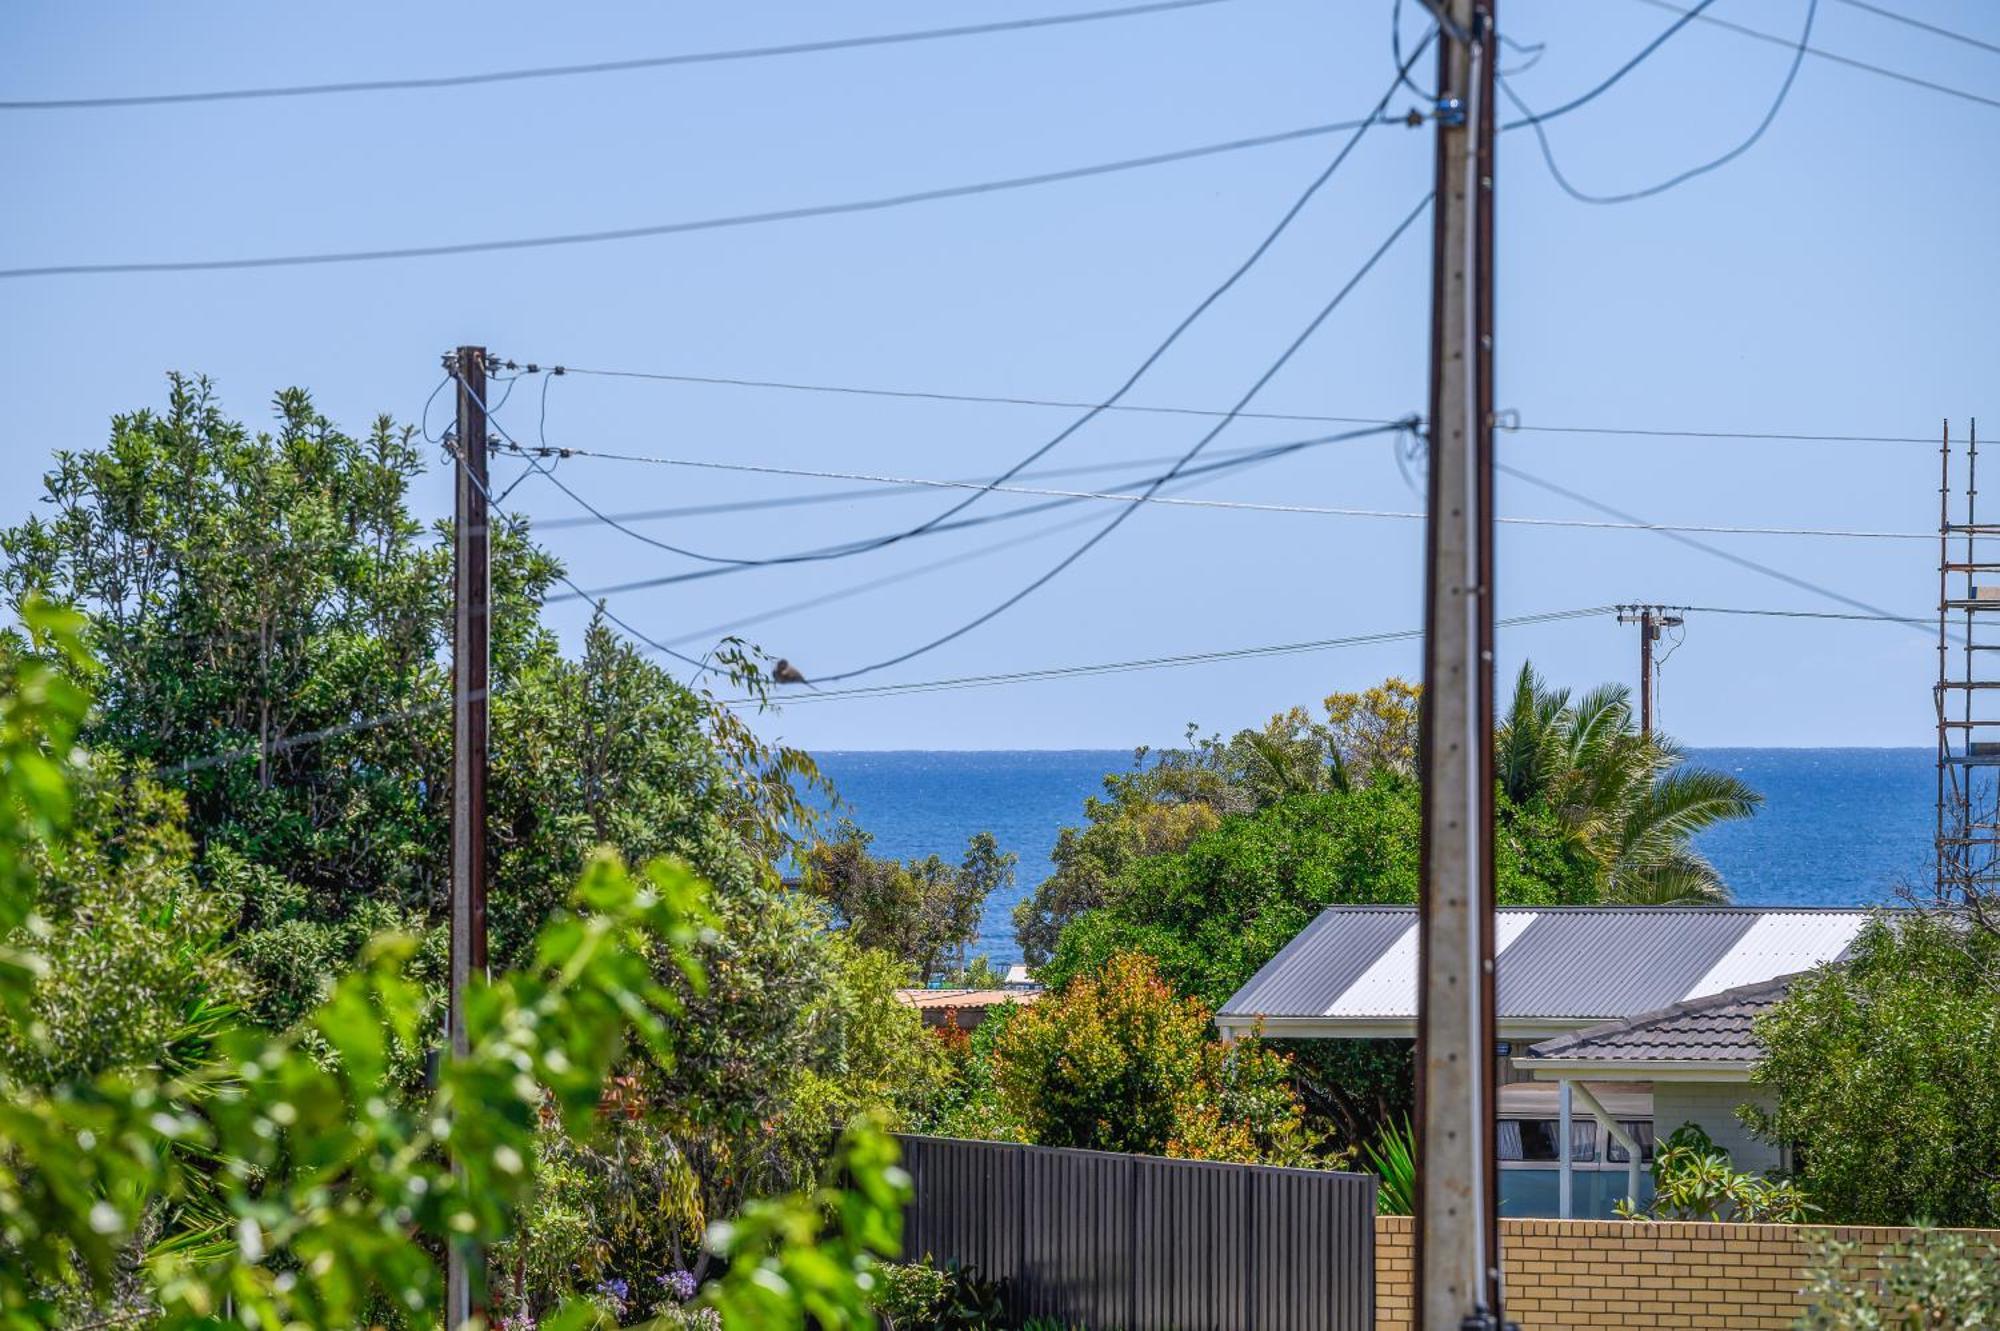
[{"x": 1611, "y": 1273}]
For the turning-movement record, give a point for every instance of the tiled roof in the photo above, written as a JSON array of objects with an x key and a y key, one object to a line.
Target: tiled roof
[
  {"x": 1714, "y": 1029},
  {"x": 1356, "y": 966}
]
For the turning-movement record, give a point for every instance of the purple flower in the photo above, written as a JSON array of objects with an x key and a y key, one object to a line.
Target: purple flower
[
  {"x": 614, "y": 1292},
  {"x": 680, "y": 1284}
]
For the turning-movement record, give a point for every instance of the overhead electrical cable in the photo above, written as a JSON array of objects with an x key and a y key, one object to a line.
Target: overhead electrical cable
[
  {"x": 1535, "y": 122},
  {"x": 1249, "y": 455},
  {"x": 455, "y": 447},
  {"x": 681, "y": 227},
  {"x": 1950, "y": 34},
  {"x": 1833, "y": 56},
  {"x": 1118, "y": 518},
  {"x": 1131, "y": 381},
  {"x": 1188, "y": 478},
  {"x": 1159, "y": 662},
  {"x": 904, "y": 483},
  {"x": 629, "y": 65},
  {"x": 1638, "y": 59},
  {"x": 1804, "y": 584},
  {"x": 1241, "y": 460},
  {"x": 290, "y": 742},
  {"x": 924, "y": 395}
]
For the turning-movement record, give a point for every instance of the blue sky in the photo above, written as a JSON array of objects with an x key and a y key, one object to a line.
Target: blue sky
[{"x": 1836, "y": 279}]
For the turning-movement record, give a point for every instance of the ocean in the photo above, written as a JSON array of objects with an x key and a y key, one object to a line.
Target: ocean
[{"x": 1839, "y": 827}]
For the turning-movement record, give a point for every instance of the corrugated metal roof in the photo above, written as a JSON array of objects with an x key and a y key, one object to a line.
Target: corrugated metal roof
[
  {"x": 1715, "y": 1028},
  {"x": 1612, "y": 961},
  {"x": 1388, "y": 988},
  {"x": 1777, "y": 943},
  {"x": 1324, "y": 959},
  {"x": 1580, "y": 963}
]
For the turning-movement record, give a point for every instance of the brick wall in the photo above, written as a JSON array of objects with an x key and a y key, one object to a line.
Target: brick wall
[{"x": 1614, "y": 1273}]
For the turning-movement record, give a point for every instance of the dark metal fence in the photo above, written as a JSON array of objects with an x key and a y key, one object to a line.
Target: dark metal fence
[{"x": 1140, "y": 1243}]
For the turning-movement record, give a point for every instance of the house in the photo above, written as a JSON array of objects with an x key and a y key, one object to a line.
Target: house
[
  {"x": 964, "y": 1007},
  {"x": 1579, "y": 993},
  {"x": 1696, "y": 1056}
]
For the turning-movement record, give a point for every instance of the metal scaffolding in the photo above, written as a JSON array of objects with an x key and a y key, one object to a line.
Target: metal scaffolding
[{"x": 1968, "y": 735}]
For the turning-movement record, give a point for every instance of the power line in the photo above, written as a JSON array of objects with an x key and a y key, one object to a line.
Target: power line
[
  {"x": 596, "y": 67},
  {"x": 1617, "y": 74},
  {"x": 1131, "y": 381},
  {"x": 1118, "y": 519},
  {"x": 683, "y": 227},
  {"x": 1188, "y": 477},
  {"x": 1950, "y": 34},
  {"x": 1834, "y": 56},
  {"x": 1534, "y": 122},
  {"x": 1016, "y": 400},
  {"x": 1808, "y": 614},
  {"x": 286, "y": 745},
  {"x": 1156, "y": 662},
  {"x": 1245, "y": 505},
  {"x": 1242, "y": 459},
  {"x": 1247, "y": 454},
  {"x": 1740, "y": 561}
]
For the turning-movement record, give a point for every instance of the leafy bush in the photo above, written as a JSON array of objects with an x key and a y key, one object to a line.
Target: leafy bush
[
  {"x": 1935, "y": 1282},
  {"x": 909, "y": 1294},
  {"x": 1693, "y": 1179},
  {"x": 1886, "y": 1071},
  {"x": 1115, "y": 1062},
  {"x": 305, "y": 1191},
  {"x": 972, "y": 1302}
]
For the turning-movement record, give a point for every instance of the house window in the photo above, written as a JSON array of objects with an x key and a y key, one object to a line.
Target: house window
[
  {"x": 1642, "y": 1132},
  {"x": 1534, "y": 1139}
]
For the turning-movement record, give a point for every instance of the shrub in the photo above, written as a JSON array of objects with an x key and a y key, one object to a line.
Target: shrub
[
  {"x": 1115, "y": 1062},
  {"x": 1935, "y": 1282}
]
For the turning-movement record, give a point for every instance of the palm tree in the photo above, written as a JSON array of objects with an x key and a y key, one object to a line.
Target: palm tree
[{"x": 1626, "y": 800}]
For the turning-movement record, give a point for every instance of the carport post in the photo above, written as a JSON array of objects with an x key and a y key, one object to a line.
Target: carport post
[{"x": 1565, "y": 1172}]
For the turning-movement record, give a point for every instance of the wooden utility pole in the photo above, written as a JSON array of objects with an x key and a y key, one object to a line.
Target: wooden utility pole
[
  {"x": 471, "y": 622},
  {"x": 1650, "y": 619},
  {"x": 1457, "y": 1212}
]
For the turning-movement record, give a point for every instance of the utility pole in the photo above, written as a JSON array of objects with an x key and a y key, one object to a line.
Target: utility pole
[
  {"x": 471, "y": 622},
  {"x": 1650, "y": 619},
  {"x": 1457, "y": 1212}
]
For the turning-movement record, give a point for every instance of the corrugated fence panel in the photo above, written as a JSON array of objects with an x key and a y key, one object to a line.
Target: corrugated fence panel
[
  {"x": 967, "y": 1204},
  {"x": 1076, "y": 1246},
  {"x": 1315, "y": 1250},
  {"x": 1192, "y": 1238},
  {"x": 1139, "y": 1243}
]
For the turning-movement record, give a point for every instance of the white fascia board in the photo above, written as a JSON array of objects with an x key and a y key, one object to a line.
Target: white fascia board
[
  {"x": 1387, "y": 1028},
  {"x": 1636, "y": 1069}
]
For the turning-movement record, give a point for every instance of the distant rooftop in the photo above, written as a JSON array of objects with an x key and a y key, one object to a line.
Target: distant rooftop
[{"x": 1352, "y": 972}]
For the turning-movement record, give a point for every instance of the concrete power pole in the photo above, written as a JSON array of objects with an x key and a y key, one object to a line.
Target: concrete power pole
[
  {"x": 471, "y": 623},
  {"x": 1457, "y": 1219},
  {"x": 1650, "y": 619}
]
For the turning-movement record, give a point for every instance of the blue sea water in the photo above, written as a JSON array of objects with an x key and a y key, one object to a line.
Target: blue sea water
[{"x": 1838, "y": 827}]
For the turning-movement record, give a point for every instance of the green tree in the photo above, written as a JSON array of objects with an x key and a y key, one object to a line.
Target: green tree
[
  {"x": 272, "y": 620},
  {"x": 134, "y": 972},
  {"x": 337, "y": 1195},
  {"x": 1628, "y": 801},
  {"x": 1886, "y": 1073},
  {"x": 1214, "y": 912},
  {"x": 1116, "y": 1062},
  {"x": 922, "y": 911}
]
